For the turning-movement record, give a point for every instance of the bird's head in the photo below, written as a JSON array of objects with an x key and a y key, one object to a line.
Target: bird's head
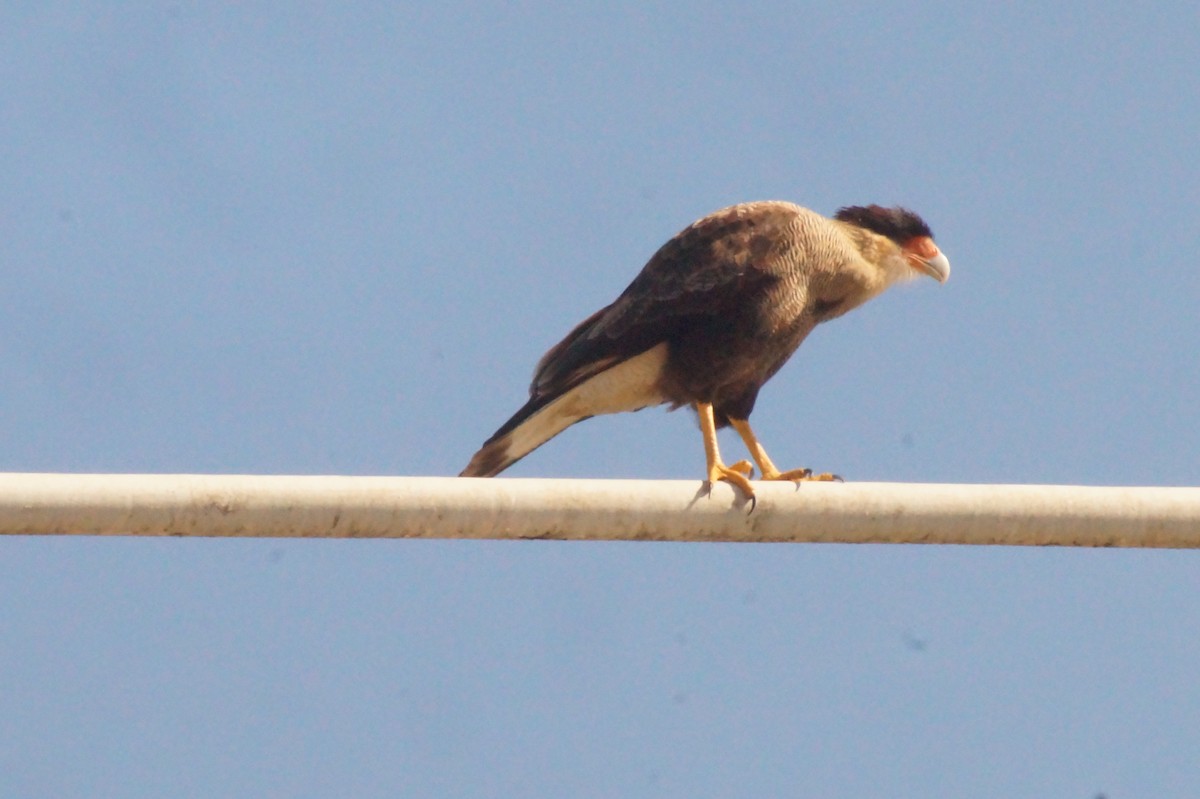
[{"x": 907, "y": 230}]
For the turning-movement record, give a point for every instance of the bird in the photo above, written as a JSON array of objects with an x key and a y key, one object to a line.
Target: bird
[{"x": 712, "y": 316}]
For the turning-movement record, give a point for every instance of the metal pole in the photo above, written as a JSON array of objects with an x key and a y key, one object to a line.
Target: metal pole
[{"x": 449, "y": 507}]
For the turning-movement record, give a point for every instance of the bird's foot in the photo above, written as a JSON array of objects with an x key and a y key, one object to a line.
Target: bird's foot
[
  {"x": 803, "y": 475},
  {"x": 745, "y": 467},
  {"x": 738, "y": 474}
]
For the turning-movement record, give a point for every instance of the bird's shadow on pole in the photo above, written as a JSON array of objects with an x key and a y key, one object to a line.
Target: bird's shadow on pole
[{"x": 740, "y": 501}]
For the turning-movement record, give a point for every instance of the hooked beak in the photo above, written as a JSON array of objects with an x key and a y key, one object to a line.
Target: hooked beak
[{"x": 924, "y": 256}]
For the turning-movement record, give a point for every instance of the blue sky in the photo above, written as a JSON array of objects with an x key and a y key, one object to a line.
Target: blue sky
[{"x": 305, "y": 240}]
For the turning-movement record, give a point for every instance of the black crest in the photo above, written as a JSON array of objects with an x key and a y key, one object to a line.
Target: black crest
[{"x": 898, "y": 224}]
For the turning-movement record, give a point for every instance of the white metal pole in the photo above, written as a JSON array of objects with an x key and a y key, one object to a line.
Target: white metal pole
[{"x": 449, "y": 507}]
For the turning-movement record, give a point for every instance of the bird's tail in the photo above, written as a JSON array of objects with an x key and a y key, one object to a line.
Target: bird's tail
[
  {"x": 627, "y": 385},
  {"x": 535, "y": 424}
]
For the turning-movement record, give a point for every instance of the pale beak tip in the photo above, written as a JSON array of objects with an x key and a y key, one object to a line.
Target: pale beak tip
[{"x": 938, "y": 267}]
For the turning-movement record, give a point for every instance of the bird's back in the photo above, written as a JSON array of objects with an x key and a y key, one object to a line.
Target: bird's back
[{"x": 747, "y": 263}]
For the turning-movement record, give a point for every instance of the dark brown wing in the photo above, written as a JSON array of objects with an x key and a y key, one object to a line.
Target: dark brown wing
[{"x": 706, "y": 270}]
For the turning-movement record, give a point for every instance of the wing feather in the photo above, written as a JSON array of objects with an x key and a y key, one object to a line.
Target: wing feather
[{"x": 703, "y": 271}]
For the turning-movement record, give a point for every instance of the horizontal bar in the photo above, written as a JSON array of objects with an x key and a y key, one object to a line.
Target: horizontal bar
[{"x": 630, "y": 510}]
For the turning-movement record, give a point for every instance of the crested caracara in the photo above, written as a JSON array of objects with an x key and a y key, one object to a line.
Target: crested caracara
[{"x": 710, "y": 318}]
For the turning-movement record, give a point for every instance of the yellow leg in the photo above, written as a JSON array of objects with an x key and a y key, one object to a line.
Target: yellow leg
[
  {"x": 769, "y": 472},
  {"x": 739, "y": 472}
]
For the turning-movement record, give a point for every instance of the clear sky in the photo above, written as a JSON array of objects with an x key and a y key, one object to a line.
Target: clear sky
[{"x": 305, "y": 240}]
